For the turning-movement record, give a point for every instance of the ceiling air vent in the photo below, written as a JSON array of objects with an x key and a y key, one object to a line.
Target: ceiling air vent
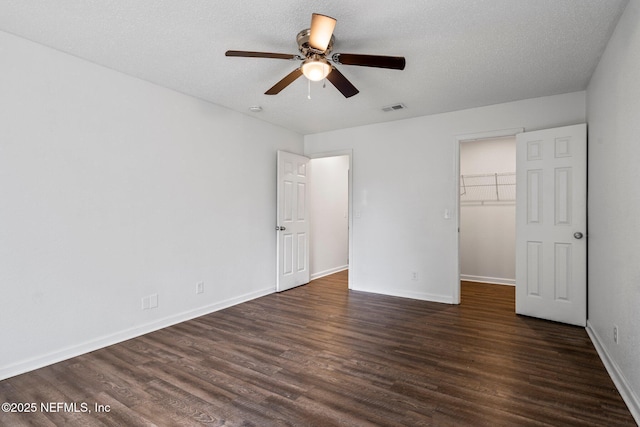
[{"x": 394, "y": 107}]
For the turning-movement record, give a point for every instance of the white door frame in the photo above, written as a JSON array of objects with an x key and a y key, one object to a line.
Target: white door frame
[
  {"x": 500, "y": 133},
  {"x": 337, "y": 153}
]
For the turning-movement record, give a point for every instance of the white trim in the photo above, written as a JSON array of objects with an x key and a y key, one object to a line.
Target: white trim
[
  {"x": 483, "y": 279},
  {"x": 492, "y": 134},
  {"x": 107, "y": 340},
  {"x": 444, "y": 299},
  {"x": 499, "y": 133},
  {"x": 328, "y": 272},
  {"x": 629, "y": 397}
]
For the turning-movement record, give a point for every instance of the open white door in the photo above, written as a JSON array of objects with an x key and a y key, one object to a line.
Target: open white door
[
  {"x": 292, "y": 221},
  {"x": 551, "y": 222}
]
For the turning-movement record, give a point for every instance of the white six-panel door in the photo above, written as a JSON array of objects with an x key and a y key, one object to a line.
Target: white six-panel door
[
  {"x": 292, "y": 221},
  {"x": 551, "y": 222}
]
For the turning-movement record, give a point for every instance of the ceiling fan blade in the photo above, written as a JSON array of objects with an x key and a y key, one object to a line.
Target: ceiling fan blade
[
  {"x": 248, "y": 54},
  {"x": 290, "y": 78},
  {"x": 341, "y": 83},
  {"x": 379, "y": 61},
  {"x": 321, "y": 31}
]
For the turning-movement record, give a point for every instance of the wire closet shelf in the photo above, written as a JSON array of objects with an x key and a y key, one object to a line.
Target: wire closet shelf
[{"x": 493, "y": 187}]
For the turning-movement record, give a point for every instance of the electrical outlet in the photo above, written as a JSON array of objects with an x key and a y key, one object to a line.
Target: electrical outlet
[
  {"x": 200, "y": 288},
  {"x": 615, "y": 334},
  {"x": 414, "y": 275}
]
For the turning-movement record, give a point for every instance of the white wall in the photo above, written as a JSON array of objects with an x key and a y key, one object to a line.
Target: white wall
[
  {"x": 113, "y": 189},
  {"x": 329, "y": 202},
  {"x": 404, "y": 177},
  {"x": 488, "y": 230},
  {"x": 614, "y": 205}
]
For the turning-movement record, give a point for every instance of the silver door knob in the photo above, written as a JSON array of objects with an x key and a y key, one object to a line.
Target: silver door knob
[
  {"x": 578, "y": 235},
  {"x": 280, "y": 228}
]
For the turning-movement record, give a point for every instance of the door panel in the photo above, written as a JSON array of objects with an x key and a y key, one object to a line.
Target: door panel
[
  {"x": 292, "y": 221},
  {"x": 550, "y": 208}
]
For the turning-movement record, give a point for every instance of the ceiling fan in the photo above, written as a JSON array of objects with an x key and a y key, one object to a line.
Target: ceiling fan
[{"x": 315, "y": 45}]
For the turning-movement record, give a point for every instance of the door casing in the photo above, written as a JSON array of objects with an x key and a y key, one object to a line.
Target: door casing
[
  {"x": 500, "y": 133},
  {"x": 349, "y": 153}
]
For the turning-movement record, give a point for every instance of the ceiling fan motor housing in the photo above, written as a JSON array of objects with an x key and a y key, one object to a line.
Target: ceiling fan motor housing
[{"x": 303, "y": 44}]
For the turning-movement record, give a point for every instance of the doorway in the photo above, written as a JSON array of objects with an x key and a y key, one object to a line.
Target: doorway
[
  {"x": 330, "y": 207},
  {"x": 486, "y": 206}
]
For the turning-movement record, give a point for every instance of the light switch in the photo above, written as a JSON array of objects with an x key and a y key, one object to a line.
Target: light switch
[{"x": 153, "y": 301}]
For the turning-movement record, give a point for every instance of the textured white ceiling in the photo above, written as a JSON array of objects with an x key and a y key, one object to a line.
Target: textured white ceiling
[{"x": 460, "y": 53}]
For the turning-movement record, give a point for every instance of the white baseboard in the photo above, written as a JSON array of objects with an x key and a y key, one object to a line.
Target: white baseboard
[
  {"x": 484, "y": 279},
  {"x": 328, "y": 272},
  {"x": 629, "y": 397},
  {"x": 107, "y": 340},
  {"x": 445, "y": 299}
]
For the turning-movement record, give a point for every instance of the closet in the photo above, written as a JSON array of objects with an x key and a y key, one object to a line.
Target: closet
[{"x": 487, "y": 210}]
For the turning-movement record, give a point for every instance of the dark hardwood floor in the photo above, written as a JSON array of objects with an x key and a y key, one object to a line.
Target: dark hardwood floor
[{"x": 319, "y": 355}]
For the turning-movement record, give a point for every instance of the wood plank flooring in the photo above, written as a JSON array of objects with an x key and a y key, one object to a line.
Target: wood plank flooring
[{"x": 320, "y": 355}]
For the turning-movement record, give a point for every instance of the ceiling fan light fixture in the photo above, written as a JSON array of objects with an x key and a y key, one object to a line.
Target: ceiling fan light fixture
[{"x": 316, "y": 69}]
